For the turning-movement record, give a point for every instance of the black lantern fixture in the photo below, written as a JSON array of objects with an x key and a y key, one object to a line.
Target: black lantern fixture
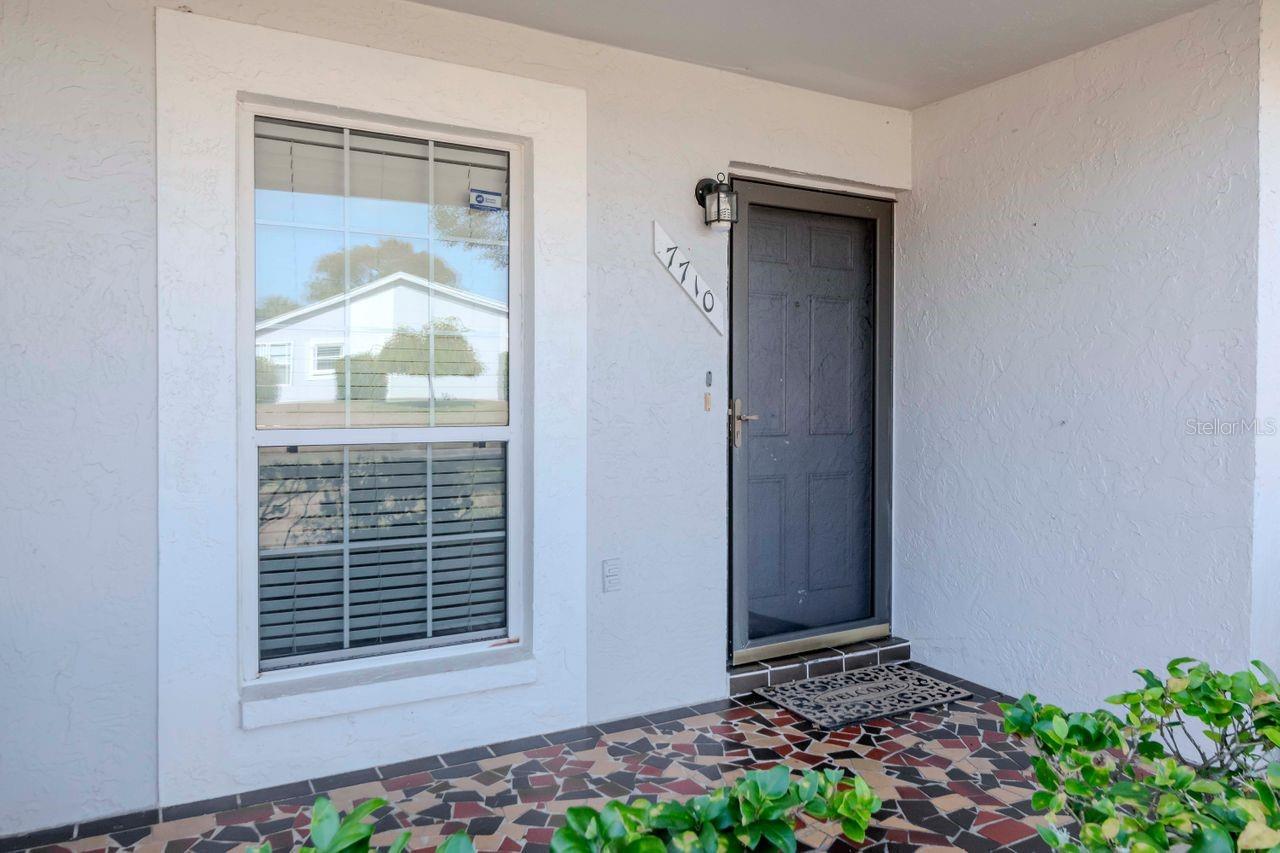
[{"x": 718, "y": 201}]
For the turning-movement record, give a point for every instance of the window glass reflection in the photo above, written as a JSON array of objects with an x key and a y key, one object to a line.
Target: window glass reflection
[{"x": 381, "y": 263}]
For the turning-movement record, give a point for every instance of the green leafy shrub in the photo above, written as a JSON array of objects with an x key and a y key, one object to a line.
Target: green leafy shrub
[
  {"x": 758, "y": 812},
  {"x": 1187, "y": 761},
  {"x": 333, "y": 833},
  {"x": 759, "y": 809}
]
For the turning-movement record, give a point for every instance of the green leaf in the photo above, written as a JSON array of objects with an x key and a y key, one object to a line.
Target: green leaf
[
  {"x": 614, "y": 820},
  {"x": 324, "y": 823},
  {"x": 1211, "y": 840},
  {"x": 582, "y": 820},
  {"x": 807, "y": 788},
  {"x": 1044, "y": 774},
  {"x": 1060, "y": 728},
  {"x": 645, "y": 844},
  {"x": 853, "y": 830},
  {"x": 774, "y": 782},
  {"x": 1041, "y": 800},
  {"x": 686, "y": 842},
  {"x": 780, "y": 835},
  {"x": 567, "y": 840},
  {"x": 670, "y": 816},
  {"x": 456, "y": 843},
  {"x": 1050, "y": 836},
  {"x": 1267, "y": 671},
  {"x": 1207, "y": 786}
]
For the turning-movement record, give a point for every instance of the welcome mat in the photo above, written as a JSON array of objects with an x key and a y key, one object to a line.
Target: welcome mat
[{"x": 868, "y": 693}]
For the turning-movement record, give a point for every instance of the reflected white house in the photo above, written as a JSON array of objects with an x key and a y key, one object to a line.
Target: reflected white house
[{"x": 467, "y": 333}]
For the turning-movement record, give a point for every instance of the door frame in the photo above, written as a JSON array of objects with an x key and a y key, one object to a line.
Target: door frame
[{"x": 752, "y": 191}]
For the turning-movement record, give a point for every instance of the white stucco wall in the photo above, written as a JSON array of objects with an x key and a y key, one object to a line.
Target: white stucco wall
[
  {"x": 78, "y": 649},
  {"x": 1266, "y": 488},
  {"x": 1076, "y": 279}
]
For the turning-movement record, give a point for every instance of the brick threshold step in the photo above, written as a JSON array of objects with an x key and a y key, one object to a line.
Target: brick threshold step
[{"x": 746, "y": 677}]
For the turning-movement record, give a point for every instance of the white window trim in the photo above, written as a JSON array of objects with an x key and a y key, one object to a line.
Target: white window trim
[
  {"x": 204, "y": 66},
  {"x": 316, "y": 370},
  {"x": 288, "y": 348},
  {"x": 332, "y": 679}
]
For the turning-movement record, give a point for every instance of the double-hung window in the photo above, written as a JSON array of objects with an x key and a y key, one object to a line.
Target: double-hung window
[{"x": 382, "y": 471}]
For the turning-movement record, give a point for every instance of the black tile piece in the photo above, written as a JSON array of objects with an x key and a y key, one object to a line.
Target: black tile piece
[
  {"x": 465, "y": 756},
  {"x": 622, "y": 725},
  {"x": 236, "y": 833},
  {"x": 895, "y": 654},
  {"x": 483, "y": 826},
  {"x": 342, "y": 780},
  {"x": 132, "y": 820},
  {"x": 216, "y": 804},
  {"x": 583, "y": 745},
  {"x": 855, "y": 648},
  {"x": 746, "y": 682},
  {"x": 533, "y": 817},
  {"x": 130, "y": 837},
  {"x": 463, "y": 797},
  {"x": 269, "y": 827},
  {"x": 456, "y": 771},
  {"x": 413, "y": 765},
  {"x": 972, "y": 842},
  {"x": 275, "y": 792},
  {"x": 528, "y": 768},
  {"x": 438, "y": 812},
  {"x": 205, "y": 845},
  {"x": 39, "y": 838},
  {"x": 933, "y": 673},
  {"x": 786, "y": 674},
  {"x": 501, "y": 801},
  {"x": 715, "y": 706},
  {"x": 857, "y": 660},
  {"x": 670, "y": 715},
  {"x": 522, "y": 744},
  {"x": 567, "y": 735},
  {"x": 829, "y": 666}
]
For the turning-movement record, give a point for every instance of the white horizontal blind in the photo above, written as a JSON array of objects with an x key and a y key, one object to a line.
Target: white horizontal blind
[{"x": 370, "y": 545}]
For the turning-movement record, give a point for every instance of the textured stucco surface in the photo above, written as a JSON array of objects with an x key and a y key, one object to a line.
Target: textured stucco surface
[
  {"x": 1076, "y": 279},
  {"x": 78, "y": 373},
  {"x": 78, "y": 98},
  {"x": 1266, "y": 487}
]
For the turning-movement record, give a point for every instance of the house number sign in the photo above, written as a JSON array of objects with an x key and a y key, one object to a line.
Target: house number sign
[{"x": 709, "y": 303}]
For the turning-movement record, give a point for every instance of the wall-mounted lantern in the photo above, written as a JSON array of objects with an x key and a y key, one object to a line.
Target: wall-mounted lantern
[{"x": 718, "y": 201}]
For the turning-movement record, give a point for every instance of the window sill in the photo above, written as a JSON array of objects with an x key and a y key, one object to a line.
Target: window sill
[{"x": 345, "y": 687}]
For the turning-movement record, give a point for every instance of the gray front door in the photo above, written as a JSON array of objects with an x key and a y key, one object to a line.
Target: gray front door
[{"x": 810, "y": 329}]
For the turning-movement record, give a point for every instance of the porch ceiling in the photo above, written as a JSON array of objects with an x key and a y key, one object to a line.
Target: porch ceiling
[{"x": 903, "y": 53}]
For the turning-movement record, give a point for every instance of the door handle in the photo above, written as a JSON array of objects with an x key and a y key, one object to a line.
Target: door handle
[{"x": 735, "y": 421}]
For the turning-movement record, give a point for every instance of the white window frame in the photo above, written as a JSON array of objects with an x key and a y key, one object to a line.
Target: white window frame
[
  {"x": 250, "y": 437},
  {"x": 288, "y": 348},
  {"x": 316, "y": 370}
]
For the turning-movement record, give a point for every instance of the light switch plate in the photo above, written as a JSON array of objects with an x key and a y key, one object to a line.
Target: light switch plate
[{"x": 611, "y": 574}]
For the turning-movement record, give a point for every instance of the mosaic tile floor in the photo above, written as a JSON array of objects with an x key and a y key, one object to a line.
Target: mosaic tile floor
[{"x": 949, "y": 779}]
